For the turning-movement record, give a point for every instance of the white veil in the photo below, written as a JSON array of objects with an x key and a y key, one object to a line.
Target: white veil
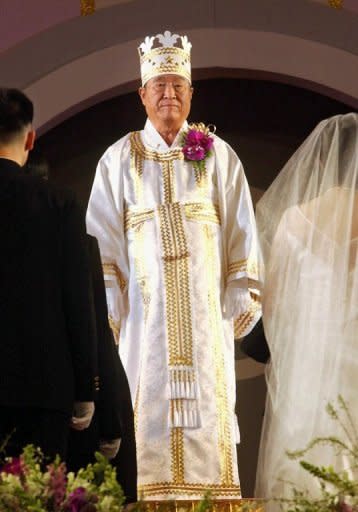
[{"x": 308, "y": 229}]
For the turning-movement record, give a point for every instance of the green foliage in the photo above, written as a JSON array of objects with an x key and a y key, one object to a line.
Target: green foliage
[
  {"x": 338, "y": 491},
  {"x": 28, "y": 485}
]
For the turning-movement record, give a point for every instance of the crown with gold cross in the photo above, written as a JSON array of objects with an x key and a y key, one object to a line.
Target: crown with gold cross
[{"x": 165, "y": 54}]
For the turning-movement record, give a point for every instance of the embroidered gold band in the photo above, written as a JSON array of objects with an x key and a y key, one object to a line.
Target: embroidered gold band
[
  {"x": 226, "y": 505},
  {"x": 244, "y": 323},
  {"x": 204, "y": 212},
  {"x": 146, "y": 154},
  {"x": 237, "y": 266},
  {"x": 111, "y": 269},
  {"x": 115, "y": 326}
]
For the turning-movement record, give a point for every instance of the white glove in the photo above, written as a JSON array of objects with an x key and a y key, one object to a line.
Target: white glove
[
  {"x": 236, "y": 300},
  {"x": 109, "y": 448},
  {"x": 82, "y": 415}
]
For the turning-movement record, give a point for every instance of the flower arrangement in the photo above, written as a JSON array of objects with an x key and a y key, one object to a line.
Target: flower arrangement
[
  {"x": 197, "y": 143},
  {"x": 26, "y": 484},
  {"x": 338, "y": 489}
]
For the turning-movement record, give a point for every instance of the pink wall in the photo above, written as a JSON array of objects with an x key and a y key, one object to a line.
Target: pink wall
[{"x": 24, "y": 18}]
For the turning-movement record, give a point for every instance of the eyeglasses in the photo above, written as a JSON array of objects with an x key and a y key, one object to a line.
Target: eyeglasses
[{"x": 178, "y": 86}]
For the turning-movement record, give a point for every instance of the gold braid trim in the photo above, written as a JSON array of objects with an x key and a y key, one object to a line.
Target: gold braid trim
[
  {"x": 235, "y": 505},
  {"x": 111, "y": 269},
  {"x": 202, "y": 212},
  {"x": 249, "y": 266},
  {"x": 146, "y": 154},
  {"x": 237, "y": 266},
  {"x": 245, "y": 322},
  {"x": 134, "y": 220},
  {"x": 188, "y": 489},
  {"x": 116, "y": 327}
]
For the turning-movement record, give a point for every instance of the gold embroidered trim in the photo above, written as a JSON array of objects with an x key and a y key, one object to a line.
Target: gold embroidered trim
[
  {"x": 245, "y": 322},
  {"x": 135, "y": 409},
  {"x": 201, "y": 177},
  {"x": 177, "y": 456},
  {"x": 135, "y": 220},
  {"x": 111, "y": 269},
  {"x": 223, "y": 423},
  {"x": 177, "y": 288},
  {"x": 168, "y": 181},
  {"x": 205, "y": 212},
  {"x": 116, "y": 327},
  {"x": 136, "y": 169},
  {"x": 165, "y": 50},
  {"x": 188, "y": 489},
  {"x": 237, "y": 266},
  {"x": 146, "y": 154},
  {"x": 249, "y": 266},
  {"x": 233, "y": 505},
  {"x": 163, "y": 67}
]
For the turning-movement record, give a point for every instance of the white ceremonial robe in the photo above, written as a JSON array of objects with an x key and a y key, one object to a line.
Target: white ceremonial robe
[{"x": 171, "y": 239}]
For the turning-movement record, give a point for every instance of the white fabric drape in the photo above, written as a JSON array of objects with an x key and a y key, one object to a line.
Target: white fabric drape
[{"x": 308, "y": 230}]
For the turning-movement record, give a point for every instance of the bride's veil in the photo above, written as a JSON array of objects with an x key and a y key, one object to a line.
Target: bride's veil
[{"x": 308, "y": 230}]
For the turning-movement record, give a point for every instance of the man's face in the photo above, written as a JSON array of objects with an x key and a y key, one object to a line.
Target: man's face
[{"x": 167, "y": 100}]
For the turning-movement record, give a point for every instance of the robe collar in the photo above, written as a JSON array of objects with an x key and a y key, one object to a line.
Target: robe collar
[{"x": 152, "y": 139}]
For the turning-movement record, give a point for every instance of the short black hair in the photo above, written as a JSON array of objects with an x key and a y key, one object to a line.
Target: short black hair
[{"x": 16, "y": 112}]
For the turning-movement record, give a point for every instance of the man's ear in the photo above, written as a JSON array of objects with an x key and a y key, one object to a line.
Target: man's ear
[
  {"x": 30, "y": 140},
  {"x": 141, "y": 92}
]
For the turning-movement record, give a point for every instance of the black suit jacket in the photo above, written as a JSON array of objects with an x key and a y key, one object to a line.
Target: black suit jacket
[
  {"x": 113, "y": 384},
  {"x": 113, "y": 417},
  {"x": 255, "y": 344},
  {"x": 46, "y": 326}
]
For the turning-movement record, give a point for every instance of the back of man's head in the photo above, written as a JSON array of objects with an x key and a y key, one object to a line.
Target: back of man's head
[
  {"x": 16, "y": 116},
  {"x": 16, "y": 112}
]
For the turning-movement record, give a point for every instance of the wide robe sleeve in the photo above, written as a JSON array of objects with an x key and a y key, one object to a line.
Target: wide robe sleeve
[
  {"x": 240, "y": 242},
  {"x": 105, "y": 221}
]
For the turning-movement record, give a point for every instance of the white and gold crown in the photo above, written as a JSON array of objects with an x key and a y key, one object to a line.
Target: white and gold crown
[{"x": 165, "y": 58}]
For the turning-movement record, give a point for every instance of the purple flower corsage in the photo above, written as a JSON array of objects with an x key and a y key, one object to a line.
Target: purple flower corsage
[{"x": 197, "y": 143}]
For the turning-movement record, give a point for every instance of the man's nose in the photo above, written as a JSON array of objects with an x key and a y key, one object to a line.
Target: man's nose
[{"x": 169, "y": 90}]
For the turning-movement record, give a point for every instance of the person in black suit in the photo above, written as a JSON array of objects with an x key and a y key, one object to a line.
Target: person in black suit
[
  {"x": 46, "y": 326},
  {"x": 112, "y": 428}
]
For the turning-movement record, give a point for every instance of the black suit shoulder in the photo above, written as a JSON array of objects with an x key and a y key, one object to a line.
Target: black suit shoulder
[{"x": 45, "y": 359}]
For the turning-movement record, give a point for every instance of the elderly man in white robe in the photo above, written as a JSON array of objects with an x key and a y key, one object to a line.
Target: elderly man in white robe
[{"x": 172, "y": 212}]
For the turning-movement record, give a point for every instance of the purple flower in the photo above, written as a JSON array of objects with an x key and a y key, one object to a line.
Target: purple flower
[
  {"x": 197, "y": 145},
  {"x": 77, "y": 500},
  {"x": 344, "y": 507},
  {"x": 194, "y": 152},
  {"x": 15, "y": 466},
  {"x": 57, "y": 484}
]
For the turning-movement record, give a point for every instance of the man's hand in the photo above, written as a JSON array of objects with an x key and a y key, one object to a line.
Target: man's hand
[
  {"x": 82, "y": 415},
  {"x": 109, "y": 448}
]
